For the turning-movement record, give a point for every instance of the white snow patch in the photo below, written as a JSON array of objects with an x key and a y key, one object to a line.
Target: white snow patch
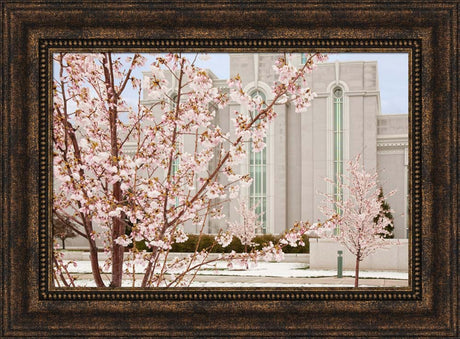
[
  {"x": 90, "y": 283},
  {"x": 266, "y": 269}
]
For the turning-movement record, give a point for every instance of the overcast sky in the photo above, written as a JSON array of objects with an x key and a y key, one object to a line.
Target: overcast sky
[
  {"x": 392, "y": 74},
  {"x": 392, "y": 68}
]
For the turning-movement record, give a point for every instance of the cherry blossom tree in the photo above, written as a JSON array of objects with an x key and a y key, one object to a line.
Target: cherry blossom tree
[
  {"x": 361, "y": 224},
  {"x": 246, "y": 228},
  {"x": 157, "y": 187}
]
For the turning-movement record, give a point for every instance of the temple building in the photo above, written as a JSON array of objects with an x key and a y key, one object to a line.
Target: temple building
[{"x": 344, "y": 120}]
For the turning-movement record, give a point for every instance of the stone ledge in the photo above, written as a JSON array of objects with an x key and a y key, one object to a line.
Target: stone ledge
[{"x": 394, "y": 257}]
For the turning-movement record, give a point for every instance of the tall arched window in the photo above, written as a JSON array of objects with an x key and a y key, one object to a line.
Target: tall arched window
[
  {"x": 337, "y": 170},
  {"x": 303, "y": 58},
  {"x": 258, "y": 173},
  {"x": 176, "y": 160}
]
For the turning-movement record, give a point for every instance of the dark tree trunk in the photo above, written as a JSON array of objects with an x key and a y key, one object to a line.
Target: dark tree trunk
[
  {"x": 117, "y": 250},
  {"x": 357, "y": 271},
  {"x": 148, "y": 271},
  {"x": 95, "y": 263},
  {"x": 117, "y": 225},
  {"x": 63, "y": 243}
]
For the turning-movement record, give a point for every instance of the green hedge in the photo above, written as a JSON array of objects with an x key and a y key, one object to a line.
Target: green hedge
[{"x": 207, "y": 240}]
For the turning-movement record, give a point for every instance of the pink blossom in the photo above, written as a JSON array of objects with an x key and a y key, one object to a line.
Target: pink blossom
[
  {"x": 123, "y": 241},
  {"x": 224, "y": 238},
  {"x": 272, "y": 252}
]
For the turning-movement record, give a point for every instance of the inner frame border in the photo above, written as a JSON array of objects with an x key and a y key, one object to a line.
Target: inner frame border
[{"x": 49, "y": 46}]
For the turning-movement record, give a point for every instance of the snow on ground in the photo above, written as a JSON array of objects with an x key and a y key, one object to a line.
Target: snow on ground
[
  {"x": 268, "y": 269},
  {"x": 296, "y": 270},
  {"x": 236, "y": 284},
  {"x": 126, "y": 283}
]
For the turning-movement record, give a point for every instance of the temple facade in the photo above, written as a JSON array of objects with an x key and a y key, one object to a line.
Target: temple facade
[
  {"x": 302, "y": 149},
  {"x": 344, "y": 120}
]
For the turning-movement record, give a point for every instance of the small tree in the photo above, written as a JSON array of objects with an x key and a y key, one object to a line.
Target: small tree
[
  {"x": 245, "y": 230},
  {"x": 362, "y": 223},
  {"x": 387, "y": 212},
  {"x": 63, "y": 229}
]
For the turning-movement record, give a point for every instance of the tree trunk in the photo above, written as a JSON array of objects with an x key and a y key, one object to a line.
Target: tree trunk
[
  {"x": 147, "y": 273},
  {"x": 357, "y": 271},
  {"x": 95, "y": 263},
  {"x": 118, "y": 228},
  {"x": 117, "y": 250},
  {"x": 63, "y": 243},
  {"x": 148, "y": 270}
]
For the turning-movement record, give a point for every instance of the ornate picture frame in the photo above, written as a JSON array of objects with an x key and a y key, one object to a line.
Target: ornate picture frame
[{"x": 33, "y": 30}]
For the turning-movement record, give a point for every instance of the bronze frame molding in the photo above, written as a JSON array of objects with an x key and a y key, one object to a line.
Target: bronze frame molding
[{"x": 428, "y": 32}]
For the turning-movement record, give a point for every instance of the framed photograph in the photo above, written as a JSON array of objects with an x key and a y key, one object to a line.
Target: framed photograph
[{"x": 213, "y": 169}]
